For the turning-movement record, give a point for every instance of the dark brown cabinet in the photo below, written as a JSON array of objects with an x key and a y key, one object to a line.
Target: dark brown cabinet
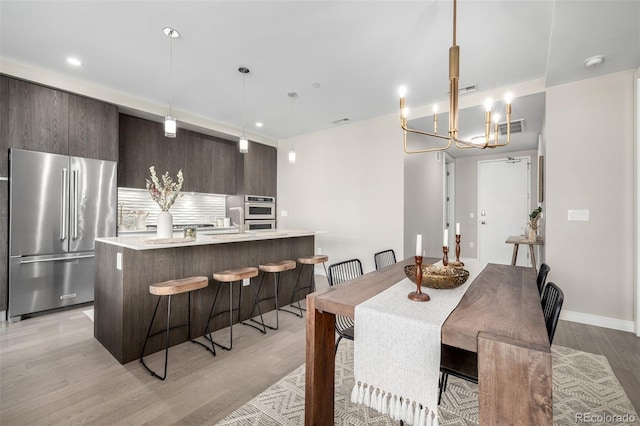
[
  {"x": 4, "y": 126},
  {"x": 4, "y": 237},
  {"x": 260, "y": 170},
  {"x": 140, "y": 148},
  {"x": 93, "y": 129},
  {"x": 38, "y": 118},
  {"x": 207, "y": 163}
]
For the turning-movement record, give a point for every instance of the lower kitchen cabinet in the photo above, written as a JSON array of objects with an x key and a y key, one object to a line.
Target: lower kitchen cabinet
[{"x": 4, "y": 243}]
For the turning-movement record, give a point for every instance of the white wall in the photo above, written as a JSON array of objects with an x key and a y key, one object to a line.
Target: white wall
[
  {"x": 423, "y": 203},
  {"x": 589, "y": 165},
  {"x": 347, "y": 181}
]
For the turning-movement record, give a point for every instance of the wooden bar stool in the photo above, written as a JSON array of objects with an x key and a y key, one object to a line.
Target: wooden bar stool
[
  {"x": 311, "y": 261},
  {"x": 172, "y": 288},
  {"x": 275, "y": 268},
  {"x": 230, "y": 276}
]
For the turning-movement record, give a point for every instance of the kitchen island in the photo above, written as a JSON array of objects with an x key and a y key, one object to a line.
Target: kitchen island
[{"x": 126, "y": 266}]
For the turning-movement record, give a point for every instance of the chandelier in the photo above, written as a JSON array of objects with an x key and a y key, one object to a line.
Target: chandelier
[{"x": 453, "y": 135}]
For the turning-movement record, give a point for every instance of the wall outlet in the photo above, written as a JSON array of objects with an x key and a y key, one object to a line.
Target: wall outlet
[
  {"x": 246, "y": 282},
  {"x": 471, "y": 244},
  {"x": 319, "y": 250},
  {"x": 119, "y": 261},
  {"x": 284, "y": 213}
]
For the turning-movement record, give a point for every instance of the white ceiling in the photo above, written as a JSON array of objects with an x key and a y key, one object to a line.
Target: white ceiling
[{"x": 359, "y": 52}]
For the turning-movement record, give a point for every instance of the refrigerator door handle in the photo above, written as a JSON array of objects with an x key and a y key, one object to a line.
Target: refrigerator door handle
[
  {"x": 55, "y": 259},
  {"x": 64, "y": 204},
  {"x": 74, "y": 235}
]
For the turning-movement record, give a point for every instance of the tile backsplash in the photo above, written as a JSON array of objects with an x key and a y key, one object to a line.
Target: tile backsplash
[{"x": 189, "y": 208}]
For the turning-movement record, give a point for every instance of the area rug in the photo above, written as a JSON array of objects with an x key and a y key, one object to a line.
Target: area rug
[{"x": 585, "y": 390}]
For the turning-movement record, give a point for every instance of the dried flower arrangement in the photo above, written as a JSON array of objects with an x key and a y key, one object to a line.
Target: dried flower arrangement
[{"x": 164, "y": 192}]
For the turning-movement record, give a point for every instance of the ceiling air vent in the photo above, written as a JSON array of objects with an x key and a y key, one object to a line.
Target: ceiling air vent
[
  {"x": 517, "y": 126},
  {"x": 341, "y": 121}
]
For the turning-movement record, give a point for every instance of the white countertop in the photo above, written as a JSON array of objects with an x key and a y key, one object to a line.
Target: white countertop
[{"x": 146, "y": 242}]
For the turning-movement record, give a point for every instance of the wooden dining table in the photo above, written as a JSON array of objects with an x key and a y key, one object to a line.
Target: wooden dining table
[{"x": 499, "y": 317}]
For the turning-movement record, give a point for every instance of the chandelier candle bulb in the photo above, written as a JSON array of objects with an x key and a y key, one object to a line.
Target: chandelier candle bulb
[
  {"x": 458, "y": 228},
  {"x": 419, "y": 245},
  {"x": 445, "y": 238}
]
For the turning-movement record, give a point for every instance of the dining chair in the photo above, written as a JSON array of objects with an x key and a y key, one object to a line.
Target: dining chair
[
  {"x": 542, "y": 277},
  {"x": 339, "y": 273},
  {"x": 464, "y": 364},
  {"x": 384, "y": 258},
  {"x": 552, "y": 300}
]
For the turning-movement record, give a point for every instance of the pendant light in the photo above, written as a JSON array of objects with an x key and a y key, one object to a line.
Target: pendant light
[
  {"x": 170, "y": 124},
  {"x": 292, "y": 153},
  {"x": 243, "y": 143}
]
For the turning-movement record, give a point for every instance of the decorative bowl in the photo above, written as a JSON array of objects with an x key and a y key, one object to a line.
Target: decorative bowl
[{"x": 438, "y": 277}]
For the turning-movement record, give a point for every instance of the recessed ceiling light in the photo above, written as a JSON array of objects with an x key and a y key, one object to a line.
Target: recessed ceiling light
[
  {"x": 593, "y": 61},
  {"x": 258, "y": 124},
  {"x": 74, "y": 61}
]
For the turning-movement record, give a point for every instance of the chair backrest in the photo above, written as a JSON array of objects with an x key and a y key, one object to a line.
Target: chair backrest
[
  {"x": 384, "y": 258},
  {"x": 542, "y": 277},
  {"x": 344, "y": 271},
  {"x": 552, "y": 299}
]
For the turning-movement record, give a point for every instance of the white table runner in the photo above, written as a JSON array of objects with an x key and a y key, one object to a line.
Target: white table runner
[{"x": 397, "y": 350}]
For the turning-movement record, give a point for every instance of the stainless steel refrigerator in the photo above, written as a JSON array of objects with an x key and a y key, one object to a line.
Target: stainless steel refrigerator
[{"x": 58, "y": 205}]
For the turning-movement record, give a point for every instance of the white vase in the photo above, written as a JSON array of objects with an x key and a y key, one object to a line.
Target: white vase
[{"x": 165, "y": 225}]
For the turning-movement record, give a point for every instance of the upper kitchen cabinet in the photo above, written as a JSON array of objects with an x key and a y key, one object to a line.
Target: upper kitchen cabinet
[
  {"x": 207, "y": 163},
  {"x": 4, "y": 126},
  {"x": 260, "y": 170},
  {"x": 142, "y": 145},
  {"x": 211, "y": 163},
  {"x": 93, "y": 129},
  {"x": 38, "y": 118}
]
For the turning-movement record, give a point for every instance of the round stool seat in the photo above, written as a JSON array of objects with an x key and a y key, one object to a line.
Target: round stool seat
[
  {"x": 179, "y": 286},
  {"x": 281, "y": 266},
  {"x": 312, "y": 260},
  {"x": 235, "y": 274}
]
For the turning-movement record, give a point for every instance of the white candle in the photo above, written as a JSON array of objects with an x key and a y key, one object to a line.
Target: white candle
[
  {"x": 445, "y": 240},
  {"x": 419, "y": 245},
  {"x": 457, "y": 228}
]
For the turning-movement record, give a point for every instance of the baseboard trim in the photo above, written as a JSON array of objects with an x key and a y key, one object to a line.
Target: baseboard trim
[{"x": 598, "y": 321}]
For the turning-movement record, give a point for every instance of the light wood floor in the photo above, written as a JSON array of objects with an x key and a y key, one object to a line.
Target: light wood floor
[{"x": 52, "y": 371}]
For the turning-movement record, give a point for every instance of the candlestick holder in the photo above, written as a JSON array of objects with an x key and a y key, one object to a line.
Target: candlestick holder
[
  {"x": 445, "y": 257},
  {"x": 418, "y": 295},
  {"x": 458, "y": 250}
]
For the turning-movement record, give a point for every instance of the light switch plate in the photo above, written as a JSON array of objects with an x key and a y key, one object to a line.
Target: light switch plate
[{"x": 578, "y": 215}]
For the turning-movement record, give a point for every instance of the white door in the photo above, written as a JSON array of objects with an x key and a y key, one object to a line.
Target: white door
[{"x": 503, "y": 208}]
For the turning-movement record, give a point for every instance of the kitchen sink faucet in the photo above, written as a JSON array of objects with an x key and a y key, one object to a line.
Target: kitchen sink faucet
[{"x": 241, "y": 224}]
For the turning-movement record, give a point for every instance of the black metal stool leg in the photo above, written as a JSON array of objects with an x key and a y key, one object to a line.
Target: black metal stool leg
[
  {"x": 166, "y": 351},
  {"x": 207, "y": 331},
  {"x": 256, "y": 303},
  {"x": 211, "y": 315},
  {"x": 293, "y": 296}
]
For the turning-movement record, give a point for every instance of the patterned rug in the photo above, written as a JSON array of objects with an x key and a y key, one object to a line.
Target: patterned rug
[{"x": 585, "y": 390}]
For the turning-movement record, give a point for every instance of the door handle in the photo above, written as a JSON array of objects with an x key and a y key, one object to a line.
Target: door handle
[
  {"x": 55, "y": 259},
  {"x": 63, "y": 204},
  {"x": 75, "y": 205}
]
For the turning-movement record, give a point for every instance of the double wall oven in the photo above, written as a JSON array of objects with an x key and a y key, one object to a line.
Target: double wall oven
[{"x": 260, "y": 212}]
